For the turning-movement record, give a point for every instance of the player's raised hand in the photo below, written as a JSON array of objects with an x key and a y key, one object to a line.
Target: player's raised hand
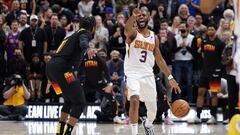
[
  {"x": 137, "y": 11},
  {"x": 174, "y": 86}
]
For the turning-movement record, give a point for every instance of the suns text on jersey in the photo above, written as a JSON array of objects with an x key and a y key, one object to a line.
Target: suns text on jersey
[{"x": 144, "y": 45}]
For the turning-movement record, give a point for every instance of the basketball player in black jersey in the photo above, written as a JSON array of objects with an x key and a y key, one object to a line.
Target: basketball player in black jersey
[{"x": 61, "y": 71}]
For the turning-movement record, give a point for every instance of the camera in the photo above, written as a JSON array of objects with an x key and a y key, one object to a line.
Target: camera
[{"x": 18, "y": 81}]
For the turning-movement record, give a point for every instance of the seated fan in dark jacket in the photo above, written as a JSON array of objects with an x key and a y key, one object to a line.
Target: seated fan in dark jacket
[{"x": 95, "y": 77}]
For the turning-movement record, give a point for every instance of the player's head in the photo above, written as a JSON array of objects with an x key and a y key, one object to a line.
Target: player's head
[
  {"x": 143, "y": 18},
  {"x": 88, "y": 23}
]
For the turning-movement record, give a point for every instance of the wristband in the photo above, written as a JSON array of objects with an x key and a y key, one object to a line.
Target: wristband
[
  {"x": 170, "y": 77},
  {"x": 110, "y": 84}
]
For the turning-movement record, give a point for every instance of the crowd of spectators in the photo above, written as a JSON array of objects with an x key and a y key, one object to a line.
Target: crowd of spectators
[{"x": 31, "y": 31}]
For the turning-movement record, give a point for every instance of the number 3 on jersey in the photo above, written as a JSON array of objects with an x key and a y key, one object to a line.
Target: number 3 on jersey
[{"x": 143, "y": 56}]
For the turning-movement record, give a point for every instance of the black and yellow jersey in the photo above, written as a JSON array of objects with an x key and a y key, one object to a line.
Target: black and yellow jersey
[{"x": 73, "y": 47}]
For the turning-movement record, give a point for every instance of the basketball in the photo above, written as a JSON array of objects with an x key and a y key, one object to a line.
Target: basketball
[{"x": 180, "y": 108}]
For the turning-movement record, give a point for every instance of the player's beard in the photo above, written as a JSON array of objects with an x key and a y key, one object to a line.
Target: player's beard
[{"x": 142, "y": 27}]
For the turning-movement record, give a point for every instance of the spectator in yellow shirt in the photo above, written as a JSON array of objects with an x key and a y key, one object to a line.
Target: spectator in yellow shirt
[{"x": 15, "y": 94}]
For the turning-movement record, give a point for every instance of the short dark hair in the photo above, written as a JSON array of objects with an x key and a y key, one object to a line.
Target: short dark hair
[
  {"x": 56, "y": 8},
  {"x": 163, "y": 21},
  {"x": 88, "y": 23},
  {"x": 198, "y": 13},
  {"x": 54, "y": 14},
  {"x": 211, "y": 24},
  {"x": 184, "y": 22},
  {"x": 14, "y": 21}
]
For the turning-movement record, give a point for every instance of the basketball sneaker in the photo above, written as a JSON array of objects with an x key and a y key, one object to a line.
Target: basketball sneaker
[
  {"x": 148, "y": 130},
  {"x": 212, "y": 120},
  {"x": 168, "y": 121},
  {"x": 117, "y": 120},
  {"x": 195, "y": 120},
  {"x": 226, "y": 121}
]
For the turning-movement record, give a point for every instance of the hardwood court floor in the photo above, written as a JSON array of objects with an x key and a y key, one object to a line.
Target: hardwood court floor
[{"x": 91, "y": 128}]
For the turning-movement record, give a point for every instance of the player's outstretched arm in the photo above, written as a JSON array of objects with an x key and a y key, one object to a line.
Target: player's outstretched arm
[
  {"x": 130, "y": 31},
  {"x": 207, "y": 6},
  {"x": 164, "y": 68}
]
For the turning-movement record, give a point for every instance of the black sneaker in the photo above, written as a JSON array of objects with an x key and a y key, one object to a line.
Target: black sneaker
[{"x": 148, "y": 130}]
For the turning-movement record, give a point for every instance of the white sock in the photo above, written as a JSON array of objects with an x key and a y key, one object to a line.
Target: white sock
[{"x": 134, "y": 128}]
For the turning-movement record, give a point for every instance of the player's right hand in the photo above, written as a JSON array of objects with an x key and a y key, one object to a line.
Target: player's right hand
[
  {"x": 174, "y": 85},
  {"x": 137, "y": 11}
]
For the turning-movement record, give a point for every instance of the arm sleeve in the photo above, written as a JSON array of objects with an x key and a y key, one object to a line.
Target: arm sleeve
[{"x": 84, "y": 42}]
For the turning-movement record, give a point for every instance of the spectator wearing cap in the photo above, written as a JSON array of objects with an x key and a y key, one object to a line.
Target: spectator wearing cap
[
  {"x": 109, "y": 18},
  {"x": 24, "y": 12},
  {"x": 15, "y": 95},
  {"x": 55, "y": 33},
  {"x": 33, "y": 39},
  {"x": 100, "y": 6},
  {"x": 23, "y": 19},
  {"x": 73, "y": 27},
  {"x": 15, "y": 12},
  {"x": 85, "y": 8}
]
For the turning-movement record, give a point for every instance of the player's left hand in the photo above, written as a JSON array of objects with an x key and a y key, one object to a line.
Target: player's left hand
[
  {"x": 91, "y": 52},
  {"x": 174, "y": 86}
]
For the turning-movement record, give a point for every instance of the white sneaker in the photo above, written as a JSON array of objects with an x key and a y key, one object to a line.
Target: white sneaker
[
  {"x": 226, "y": 121},
  {"x": 212, "y": 120},
  {"x": 148, "y": 130},
  {"x": 117, "y": 120},
  {"x": 168, "y": 121},
  {"x": 195, "y": 120}
]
